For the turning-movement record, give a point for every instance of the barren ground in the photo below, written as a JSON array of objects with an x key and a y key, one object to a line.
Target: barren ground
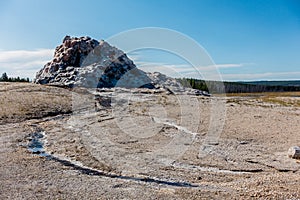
[{"x": 147, "y": 146}]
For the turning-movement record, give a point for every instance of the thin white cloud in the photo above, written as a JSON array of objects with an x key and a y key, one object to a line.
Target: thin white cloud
[
  {"x": 189, "y": 67},
  {"x": 185, "y": 70},
  {"x": 212, "y": 72},
  {"x": 181, "y": 71},
  {"x": 165, "y": 69},
  {"x": 9, "y": 56},
  {"x": 263, "y": 76},
  {"x": 223, "y": 66},
  {"x": 168, "y": 69},
  {"x": 24, "y": 63},
  {"x": 232, "y": 65}
]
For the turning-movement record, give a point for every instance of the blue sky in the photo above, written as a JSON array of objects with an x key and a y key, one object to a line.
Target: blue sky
[{"x": 247, "y": 39}]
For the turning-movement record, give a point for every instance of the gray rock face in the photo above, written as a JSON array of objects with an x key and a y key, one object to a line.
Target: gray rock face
[
  {"x": 86, "y": 62},
  {"x": 70, "y": 54}
]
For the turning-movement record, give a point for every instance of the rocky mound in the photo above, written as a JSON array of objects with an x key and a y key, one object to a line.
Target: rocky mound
[
  {"x": 70, "y": 53},
  {"x": 86, "y": 62}
]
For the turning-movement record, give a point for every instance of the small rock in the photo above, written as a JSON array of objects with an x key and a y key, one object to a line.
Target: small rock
[
  {"x": 294, "y": 152},
  {"x": 66, "y": 38},
  {"x": 213, "y": 143},
  {"x": 244, "y": 142}
]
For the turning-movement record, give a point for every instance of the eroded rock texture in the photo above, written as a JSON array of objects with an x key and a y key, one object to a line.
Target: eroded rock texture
[{"x": 86, "y": 62}]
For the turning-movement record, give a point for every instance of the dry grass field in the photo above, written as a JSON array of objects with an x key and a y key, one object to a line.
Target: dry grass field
[{"x": 21, "y": 101}]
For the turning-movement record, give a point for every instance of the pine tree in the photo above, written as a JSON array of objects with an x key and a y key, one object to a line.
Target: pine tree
[{"x": 4, "y": 77}]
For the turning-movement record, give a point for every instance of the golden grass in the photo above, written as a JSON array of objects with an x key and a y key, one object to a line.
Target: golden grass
[
  {"x": 268, "y": 94},
  {"x": 22, "y": 101},
  {"x": 280, "y": 101},
  {"x": 277, "y": 98}
]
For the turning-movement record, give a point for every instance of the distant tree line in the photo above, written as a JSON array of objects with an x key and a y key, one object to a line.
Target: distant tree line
[
  {"x": 234, "y": 87},
  {"x": 5, "y": 78}
]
